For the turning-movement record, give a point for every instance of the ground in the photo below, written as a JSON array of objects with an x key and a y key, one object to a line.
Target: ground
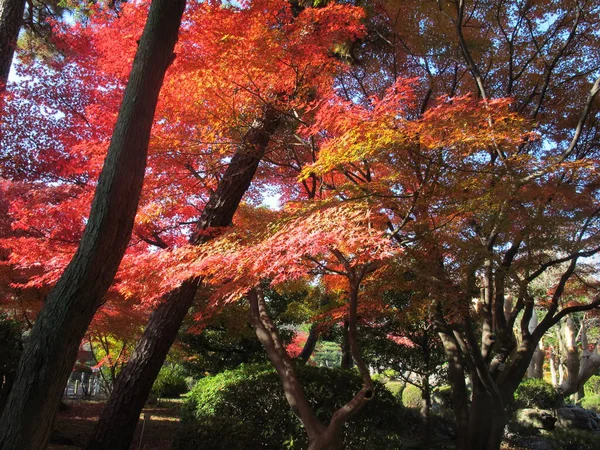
[{"x": 75, "y": 423}]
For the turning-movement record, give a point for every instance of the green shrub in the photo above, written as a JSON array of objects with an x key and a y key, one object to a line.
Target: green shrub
[
  {"x": 171, "y": 382},
  {"x": 592, "y": 386},
  {"x": 412, "y": 397},
  {"x": 443, "y": 396},
  {"x": 568, "y": 439},
  {"x": 249, "y": 403},
  {"x": 591, "y": 402},
  {"x": 536, "y": 393}
]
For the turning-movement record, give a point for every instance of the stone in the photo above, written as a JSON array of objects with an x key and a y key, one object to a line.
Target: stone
[
  {"x": 542, "y": 419},
  {"x": 574, "y": 417}
]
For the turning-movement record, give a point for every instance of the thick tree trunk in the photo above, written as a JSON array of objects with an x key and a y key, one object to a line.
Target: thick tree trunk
[
  {"x": 11, "y": 19},
  {"x": 50, "y": 354},
  {"x": 456, "y": 378},
  {"x": 486, "y": 422},
  {"x": 119, "y": 418},
  {"x": 571, "y": 357}
]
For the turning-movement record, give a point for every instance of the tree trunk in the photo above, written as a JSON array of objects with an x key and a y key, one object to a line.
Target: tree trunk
[
  {"x": 487, "y": 421},
  {"x": 426, "y": 412},
  {"x": 11, "y": 19},
  {"x": 50, "y": 354},
  {"x": 346, "y": 362},
  {"x": 456, "y": 378},
  {"x": 571, "y": 358},
  {"x": 310, "y": 344},
  {"x": 536, "y": 366},
  {"x": 118, "y": 420}
]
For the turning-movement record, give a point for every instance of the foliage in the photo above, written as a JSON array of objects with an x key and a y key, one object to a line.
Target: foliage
[
  {"x": 171, "y": 382},
  {"x": 443, "y": 396},
  {"x": 412, "y": 397},
  {"x": 251, "y": 401},
  {"x": 571, "y": 439},
  {"x": 591, "y": 402},
  {"x": 536, "y": 393},
  {"x": 10, "y": 345},
  {"x": 592, "y": 385}
]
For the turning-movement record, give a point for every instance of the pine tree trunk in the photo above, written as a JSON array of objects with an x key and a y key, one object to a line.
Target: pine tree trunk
[
  {"x": 11, "y": 19},
  {"x": 50, "y": 354},
  {"x": 119, "y": 418}
]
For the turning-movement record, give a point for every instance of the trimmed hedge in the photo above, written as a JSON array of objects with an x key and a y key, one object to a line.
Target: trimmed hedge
[
  {"x": 536, "y": 393},
  {"x": 246, "y": 408},
  {"x": 412, "y": 397}
]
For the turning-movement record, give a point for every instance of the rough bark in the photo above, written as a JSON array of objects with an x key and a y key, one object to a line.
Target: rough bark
[
  {"x": 50, "y": 354},
  {"x": 118, "y": 420},
  {"x": 11, "y": 19}
]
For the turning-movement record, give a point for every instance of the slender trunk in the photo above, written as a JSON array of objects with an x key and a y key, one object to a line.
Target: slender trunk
[
  {"x": 310, "y": 344},
  {"x": 116, "y": 427},
  {"x": 346, "y": 362},
  {"x": 320, "y": 437},
  {"x": 50, "y": 354},
  {"x": 118, "y": 420},
  {"x": 11, "y": 19}
]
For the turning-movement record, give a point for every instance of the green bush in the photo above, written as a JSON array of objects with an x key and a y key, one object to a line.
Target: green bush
[
  {"x": 567, "y": 439},
  {"x": 536, "y": 393},
  {"x": 591, "y": 402},
  {"x": 249, "y": 403},
  {"x": 171, "y": 382},
  {"x": 592, "y": 386},
  {"x": 412, "y": 397},
  {"x": 443, "y": 396}
]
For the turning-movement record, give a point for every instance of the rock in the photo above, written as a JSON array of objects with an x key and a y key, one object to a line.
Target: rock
[
  {"x": 574, "y": 417},
  {"x": 542, "y": 419}
]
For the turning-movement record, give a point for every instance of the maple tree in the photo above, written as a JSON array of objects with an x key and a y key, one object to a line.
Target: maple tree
[
  {"x": 458, "y": 142},
  {"x": 476, "y": 199}
]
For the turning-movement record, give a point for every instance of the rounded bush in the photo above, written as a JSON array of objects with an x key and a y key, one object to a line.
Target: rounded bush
[
  {"x": 412, "y": 397},
  {"x": 536, "y": 393},
  {"x": 591, "y": 402},
  {"x": 249, "y": 403},
  {"x": 171, "y": 382}
]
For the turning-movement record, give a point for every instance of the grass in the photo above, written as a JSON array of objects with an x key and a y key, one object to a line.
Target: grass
[{"x": 75, "y": 424}]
